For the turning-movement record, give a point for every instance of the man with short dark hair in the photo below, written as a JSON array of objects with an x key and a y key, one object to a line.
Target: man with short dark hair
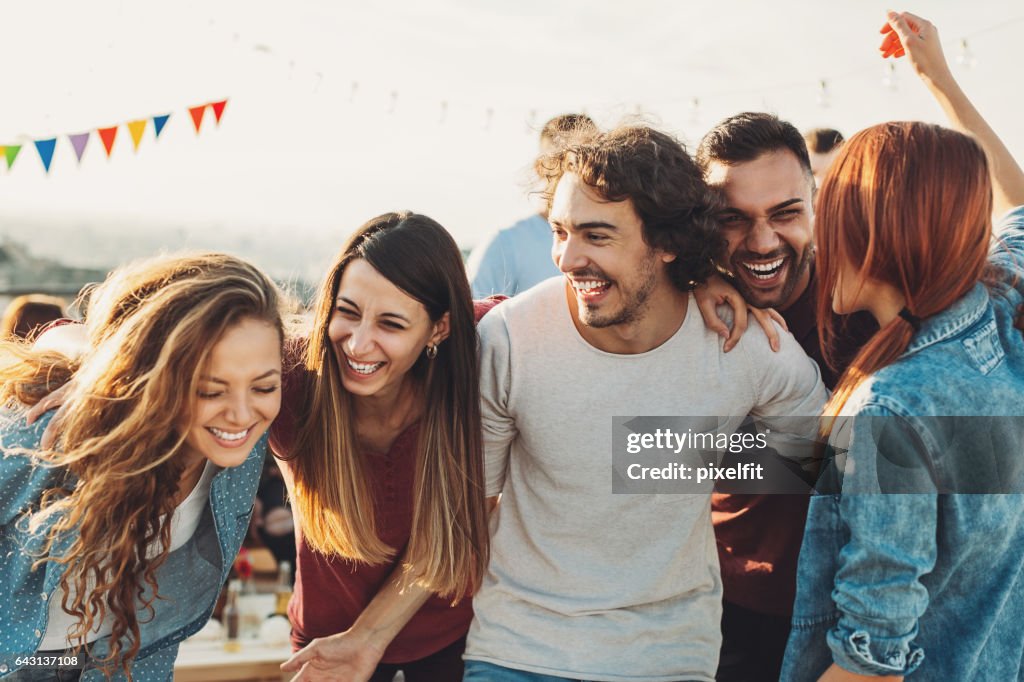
[
  {"x": 761, "y": 167},
  {"x": 822, "y": 146},
  {"x": 584, "y": 583},
  {"x": 515, "y": 258}
]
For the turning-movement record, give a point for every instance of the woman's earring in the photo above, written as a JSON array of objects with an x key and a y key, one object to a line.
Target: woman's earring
[{"x": 432, "y": 351}]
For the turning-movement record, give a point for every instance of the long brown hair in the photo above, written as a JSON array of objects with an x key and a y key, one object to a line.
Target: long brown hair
[
  {"x": 151, "y": 327},
  {"x": 449, "y": 539},
  {"x": 909, "y": 205}
]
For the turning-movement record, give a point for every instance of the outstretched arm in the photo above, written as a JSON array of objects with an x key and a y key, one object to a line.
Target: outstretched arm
[
  {"x": 918, "y": 39},
  {"x": 353, "y": 655}
]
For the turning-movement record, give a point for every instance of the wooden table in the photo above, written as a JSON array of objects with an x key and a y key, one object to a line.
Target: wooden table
[{"x": 209, "y": 662}]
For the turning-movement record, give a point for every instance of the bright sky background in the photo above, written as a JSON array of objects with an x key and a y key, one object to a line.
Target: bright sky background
[{"x": 313, "y": 142}]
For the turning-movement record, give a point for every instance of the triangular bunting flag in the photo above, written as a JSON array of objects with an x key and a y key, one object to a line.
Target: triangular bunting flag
[
  {"x": 11, "y": 153},
  {"x": 218, "y": 109},
  {"x": 78, "y": 142},
  {"x": 108, "y": 135},
  {"x": 45, "y": 149},
  {"x": 136, "y": 128},
  {"x": 158, "y": 124},
  {"x": 197, "y": 116}
]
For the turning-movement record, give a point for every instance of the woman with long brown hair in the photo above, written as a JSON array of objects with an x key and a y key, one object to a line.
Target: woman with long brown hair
[
  {"x": 380, "y": 444},
  {"x": 904, "y": 571},
  {"x": 116, "y": 541}
]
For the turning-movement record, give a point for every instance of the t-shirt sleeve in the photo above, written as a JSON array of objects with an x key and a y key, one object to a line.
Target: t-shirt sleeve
[
  {"x": 788, "y": 392},
  {"x": 491, "y": 268},
  {"x": 499, "y": 427}
]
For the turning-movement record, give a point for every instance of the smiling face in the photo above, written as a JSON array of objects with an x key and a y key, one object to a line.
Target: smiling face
[
  {"x": 239, "y": 394},
  {"x": 378, "y": 331},
  {"x": 599, "y": 246},
  {"x": 768, "y": 225}
]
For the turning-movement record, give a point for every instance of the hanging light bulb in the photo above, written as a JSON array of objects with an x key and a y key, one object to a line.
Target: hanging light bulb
[
  {"x": 824, "y": 96},
  {"x": 489, "y": 118},
  {"x": 889, "y": 79},
  {"x": 444, "y": 112},
  {"x": 394, "y": 102},
  {"x": 695, "y": 110},
  {"x": 965, "y": 57},
  {"x": 352, "y": 92}
]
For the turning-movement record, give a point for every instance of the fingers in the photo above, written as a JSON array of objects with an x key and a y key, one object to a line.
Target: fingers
[
  {"x": 300, "y": 657},
  {"x": 770, "y": 330},
  {"x": 53, "y": 429},
  {"x": 777, "y": 316},
  {"x": 39, "y": 409},
  {"x": 707, "y": 306},
  {"x": 739, "y": 321}
]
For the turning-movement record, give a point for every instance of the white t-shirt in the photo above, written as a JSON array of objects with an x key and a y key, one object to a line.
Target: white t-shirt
[
  {"x": 583, "y": 583},
  {"x": 184, "y": 523}
]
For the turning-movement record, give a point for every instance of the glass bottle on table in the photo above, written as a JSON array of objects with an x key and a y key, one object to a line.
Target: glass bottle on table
[
  {"x": 283, "y": 590},
  {"x": 232, "y": 618}
]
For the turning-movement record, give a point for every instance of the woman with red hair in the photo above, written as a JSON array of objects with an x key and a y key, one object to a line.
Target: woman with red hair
[{"x": 904, "y": 572}]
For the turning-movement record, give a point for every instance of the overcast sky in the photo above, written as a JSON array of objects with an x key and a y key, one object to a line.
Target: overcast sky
[{"x": 340, "y": 110}]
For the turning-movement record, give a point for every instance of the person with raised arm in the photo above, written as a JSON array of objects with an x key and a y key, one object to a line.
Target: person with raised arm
[{"x": 901, "y": 571}]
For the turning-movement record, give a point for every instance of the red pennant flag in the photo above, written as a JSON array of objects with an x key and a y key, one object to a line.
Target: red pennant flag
[
  {"x": 218, "y": 109},
  {"x": 197, "y": 116},
  {"x": 108, "y": 135}
]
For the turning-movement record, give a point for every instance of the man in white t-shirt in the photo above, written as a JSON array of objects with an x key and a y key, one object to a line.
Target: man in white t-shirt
[{"x": 583, "y": 583}]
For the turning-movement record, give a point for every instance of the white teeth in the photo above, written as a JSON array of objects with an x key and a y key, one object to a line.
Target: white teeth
[
  {"x": 228, "y": 435},
  {"x": 588, "y": 286},
  {"x": 363, "y": 367},
  {"x": 764, "y": 270}
]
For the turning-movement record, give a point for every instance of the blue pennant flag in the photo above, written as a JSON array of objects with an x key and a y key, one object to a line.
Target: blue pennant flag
[
  {"x": 45, "y": 149},
  {"x": 159, "y": 122}
]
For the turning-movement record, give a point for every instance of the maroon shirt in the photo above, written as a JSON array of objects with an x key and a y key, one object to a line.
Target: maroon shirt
[
  {"x": 759, "y": 536},
  {"x": 331, "y": 592}
]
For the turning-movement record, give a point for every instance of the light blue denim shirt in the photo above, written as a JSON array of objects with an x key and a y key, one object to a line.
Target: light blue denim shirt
[
  {"x": 929, "y": 583},
  {"x": 189, "y": 581}
]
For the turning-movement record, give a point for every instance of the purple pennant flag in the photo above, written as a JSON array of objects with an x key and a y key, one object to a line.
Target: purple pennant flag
[{"x": 78, "y": 142}]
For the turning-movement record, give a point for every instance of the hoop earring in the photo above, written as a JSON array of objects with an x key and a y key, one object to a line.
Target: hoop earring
[{"x": 432, "y": 351}]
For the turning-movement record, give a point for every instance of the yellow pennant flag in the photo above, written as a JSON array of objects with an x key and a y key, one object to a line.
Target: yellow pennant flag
[{"x": 136, "y": 129}]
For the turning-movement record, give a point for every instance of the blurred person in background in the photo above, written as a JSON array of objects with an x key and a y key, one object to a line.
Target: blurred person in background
[
  {"x": 515, "y": 258},
  {"x": 26, "y": 315},
  {"x": 822, "y": 145}
]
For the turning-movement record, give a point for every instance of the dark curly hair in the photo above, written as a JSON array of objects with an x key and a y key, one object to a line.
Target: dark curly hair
[{"x": 667, "y": 189}]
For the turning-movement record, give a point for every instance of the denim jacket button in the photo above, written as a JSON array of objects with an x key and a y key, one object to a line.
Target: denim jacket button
[
  {"x": 43, "y": 596},
  {"x": 38, "y": 633},
  {"x": 3, "y": 667}
]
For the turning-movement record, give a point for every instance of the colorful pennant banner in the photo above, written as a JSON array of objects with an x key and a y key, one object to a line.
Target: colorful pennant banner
[{"x": 46, "y": 147}]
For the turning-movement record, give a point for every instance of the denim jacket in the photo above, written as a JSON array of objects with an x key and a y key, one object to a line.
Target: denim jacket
[
  {"x": 190, "y": 579},
  {"x": 910, "y": 574}
]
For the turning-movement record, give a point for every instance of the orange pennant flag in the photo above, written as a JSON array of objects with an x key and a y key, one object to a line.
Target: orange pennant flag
[
  {"x": 108, "y": 135},
  {"x": 137, "y": 128},
  {"x": 218, "y": 109},
  {"x": 197, "y": 116}
]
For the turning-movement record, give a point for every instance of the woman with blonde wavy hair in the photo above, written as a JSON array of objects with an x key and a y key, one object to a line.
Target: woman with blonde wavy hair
[
  {"x": 380, "y": 444},
  {"x": 117, "y": 540}
]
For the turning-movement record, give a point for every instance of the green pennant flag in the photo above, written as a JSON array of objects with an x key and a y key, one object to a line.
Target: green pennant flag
[{"x": 11, "y": 153}]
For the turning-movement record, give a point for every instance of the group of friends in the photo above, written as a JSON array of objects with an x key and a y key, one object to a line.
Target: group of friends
[{"x": 447, "y": 460}]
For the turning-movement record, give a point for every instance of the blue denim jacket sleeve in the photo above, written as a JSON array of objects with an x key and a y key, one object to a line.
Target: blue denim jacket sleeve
[
  {"x": 1008, "y": 250},
  {"x": 23, "y": 479},
  {"x": 892, "y": 544}
]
